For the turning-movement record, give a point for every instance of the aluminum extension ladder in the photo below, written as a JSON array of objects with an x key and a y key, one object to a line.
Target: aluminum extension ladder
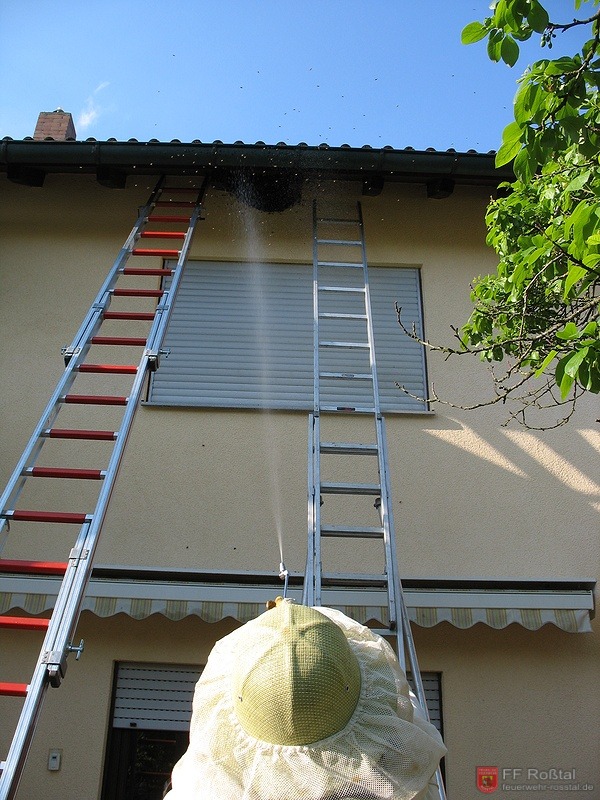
[
  {"x": 169, "y": 217},
  {"x": 345, "y": 385}
]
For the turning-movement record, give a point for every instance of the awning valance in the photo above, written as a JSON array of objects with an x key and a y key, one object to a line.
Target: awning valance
[{"x": 566, "y": 604}]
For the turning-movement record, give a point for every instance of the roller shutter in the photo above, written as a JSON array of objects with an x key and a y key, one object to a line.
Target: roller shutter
[
  {"x": 154, "y": 697},
  {"x": 159, "y": 697},
  {"x": 241, "y": 336}
]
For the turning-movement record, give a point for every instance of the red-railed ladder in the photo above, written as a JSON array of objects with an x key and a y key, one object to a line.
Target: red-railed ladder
[{"x": 170, "y": 215}]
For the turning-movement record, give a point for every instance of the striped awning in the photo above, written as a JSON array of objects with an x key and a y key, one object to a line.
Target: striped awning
[{"x": 568, "y": 605}]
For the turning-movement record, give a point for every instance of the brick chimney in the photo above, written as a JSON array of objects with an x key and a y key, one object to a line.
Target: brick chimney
[{"x": 56, "y": 125}]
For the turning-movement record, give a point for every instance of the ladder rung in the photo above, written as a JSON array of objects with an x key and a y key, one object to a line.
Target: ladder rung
[
  {"x": 355, "y": 579},
  {"x": 143, "y": 271},
  {"x": 14, "y": 689},
  {"x": 384, "y": 631},
  {"x": 340, "y": 264},
  {"x": 352, "y": 242},
  {"x": 337, "y": 315},
  {"x": 95, "y": 399},
  {"x": 113, "y": 369},
  {"x": 67, "y": 517},
  {"x": 339, "y": 220},
  {"x": 33, "y": 567},
  {"x": 349, "y": 448},
  {"x": 137, "y": 293},
  {"x": 24, "y": 623},
  {"x": 351, "y": 488},
  {"x": 131, "y": 315},
  {"x": 353, "y": 409},
  {"x": 152, "y": 251},
  {"x": 62, "y": 472},
  {"x": 175, "y": 204},
  {"x": 129, "y": 341},
  {"x": 352, "y": 532},
  {"x": 163, "y": 235},
  {"x": 167, "y": 218},
  {"x": 76, "y": 433},
  {"x": 356, "y": 289},
  {"x": 346, "y": 345},
  {"x": 347, "y": 376},
  {"x": 182, "y": 189}
]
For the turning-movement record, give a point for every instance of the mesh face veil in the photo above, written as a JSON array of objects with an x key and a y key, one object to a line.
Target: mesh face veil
[
  {"x": 305, "y": 703},
  {"x": 299, "y": 681}
]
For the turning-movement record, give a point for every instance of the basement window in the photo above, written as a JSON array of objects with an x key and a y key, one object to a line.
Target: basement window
[
  {"x": 152, "y": 708},
  {"x": 241, "y": 336}
]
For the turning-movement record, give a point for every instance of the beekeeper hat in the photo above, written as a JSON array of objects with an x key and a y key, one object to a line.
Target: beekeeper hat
[
  {"x": 305, "y": 703},
  {"x": 298, "y": 681}
]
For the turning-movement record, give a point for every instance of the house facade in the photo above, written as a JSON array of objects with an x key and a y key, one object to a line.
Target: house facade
[{"x": 496, "y": 527}]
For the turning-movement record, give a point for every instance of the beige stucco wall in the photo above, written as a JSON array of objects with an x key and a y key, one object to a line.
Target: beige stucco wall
[
  {"x": 471, "y": 497},
  {"x": 202, "y": 488}
]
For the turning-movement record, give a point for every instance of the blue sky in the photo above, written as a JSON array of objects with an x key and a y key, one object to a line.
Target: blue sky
[{"x": 378, "y": 72}]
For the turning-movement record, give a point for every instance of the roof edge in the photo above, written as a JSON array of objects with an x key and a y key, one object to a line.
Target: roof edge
[{"x": 155, "y": 157}]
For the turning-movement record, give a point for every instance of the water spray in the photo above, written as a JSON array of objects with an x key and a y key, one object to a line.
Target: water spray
[{"x": 284, "y": 575}]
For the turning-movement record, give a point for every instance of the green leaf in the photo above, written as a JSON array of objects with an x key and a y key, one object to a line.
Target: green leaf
[
  {"x": 524, "y": 165},
  {"x": 473, "y": 32},
  {"x": 494, "y": 46},
  {"x": 545, "y": 363},
  {"x": 509, "y": 51},
  {"x": 574, "y": 361},
  {"x": 590, "y": 329},
  {"x": 579, "y": 181},
  {"x": 528, "y": 101},
  {"x": 560, "y": 66},
  {"x": 591, "y": 260},
  {"x": 570, "y": 331},
  {"x": 574, "y": 275},
  {"x": 511, "y": 144},
  {"x": 564, "y": 381},
  {"x": 538, "y": 17}
]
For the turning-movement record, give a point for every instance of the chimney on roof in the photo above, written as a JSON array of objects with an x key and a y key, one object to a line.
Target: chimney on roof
[{"x": 57, "y": 125}]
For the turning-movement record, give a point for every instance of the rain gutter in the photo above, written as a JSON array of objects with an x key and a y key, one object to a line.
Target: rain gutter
[{"x": 135, "y": 158}]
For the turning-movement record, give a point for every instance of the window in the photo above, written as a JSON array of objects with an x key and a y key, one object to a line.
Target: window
[
  {"x": 152, "y": 708},
  {"x": 241, "y": 336},
  {"x": 432, "y": 686}
]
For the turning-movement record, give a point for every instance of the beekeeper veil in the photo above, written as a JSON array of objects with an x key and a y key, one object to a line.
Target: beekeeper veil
[{"x": 305, "y": 704}]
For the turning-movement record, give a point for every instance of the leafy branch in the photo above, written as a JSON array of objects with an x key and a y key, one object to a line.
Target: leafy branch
[
  {"x": 516, "y": 388},
  {"x": 539, "y": 311}
]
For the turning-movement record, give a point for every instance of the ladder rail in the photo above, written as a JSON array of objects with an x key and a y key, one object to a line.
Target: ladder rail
[
  {"x": 79, "y": 348},
  {"x": 308, "y": 589},
  {"x": 50, "y": 669},
  {"x": 165, "y": 307},
  {"x": 18, "y": 479},
  {"x": 395, "y": 622},
  {"x": 312, "y": 584},
  {"x": 51, "y": 665},
  {"x": 398, "y": 627},
  {"x": 316, "y": 368},
  {"x": 103, "y": 297}
]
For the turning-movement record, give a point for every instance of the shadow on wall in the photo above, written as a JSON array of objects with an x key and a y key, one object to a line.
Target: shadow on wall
[{"x": 480, "y": 500}]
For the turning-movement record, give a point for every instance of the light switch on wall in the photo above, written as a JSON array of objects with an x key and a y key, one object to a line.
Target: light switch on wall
[{"x": 54, "y": 759}]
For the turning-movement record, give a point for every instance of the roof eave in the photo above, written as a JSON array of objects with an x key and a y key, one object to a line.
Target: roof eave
[{"x": 151, "y": 158}]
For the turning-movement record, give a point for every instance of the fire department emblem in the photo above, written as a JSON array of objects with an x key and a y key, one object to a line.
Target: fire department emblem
[{"x": 487, "y": 779}]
